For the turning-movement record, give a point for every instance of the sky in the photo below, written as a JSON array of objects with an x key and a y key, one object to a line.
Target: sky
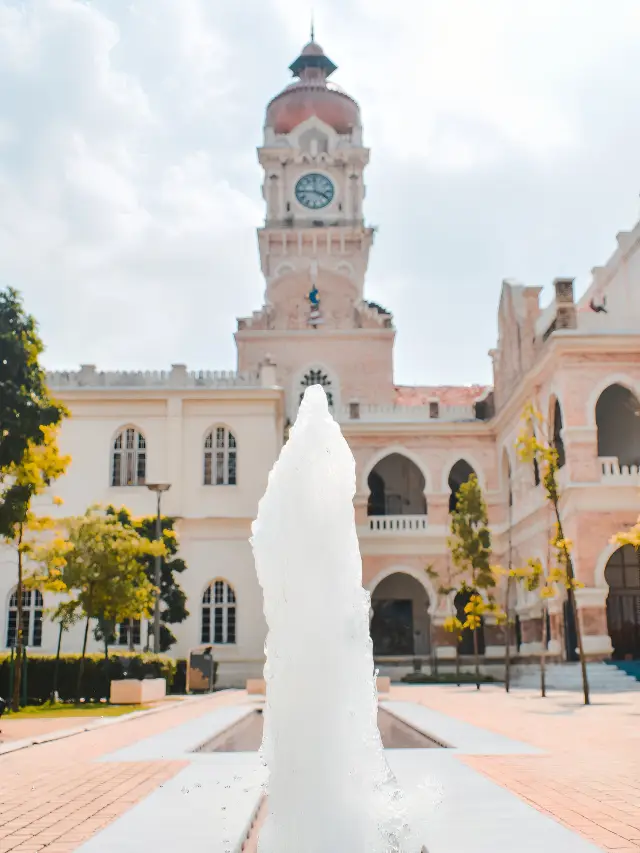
[{"x": 504, "y": 136}]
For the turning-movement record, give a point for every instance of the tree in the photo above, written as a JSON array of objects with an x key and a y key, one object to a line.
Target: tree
[
  {"x": 66, "y": 614},
  {"x": 25, "y": 405},
  {"x": 172, "y": 597},
  {"x": 534, "y": 446},
  {"x": 451, "y": 623},
  {"x": 40, "y": 464},
  {"x": 470, "y": 546},
  {"x": 98, "y": 561}
]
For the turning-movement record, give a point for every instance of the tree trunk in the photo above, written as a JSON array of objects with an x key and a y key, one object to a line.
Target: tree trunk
[
  {"x": 132, "y": 647},
  {"x": 82, "y": 657},
  {"x": 543, "y": 654},
  {"x": 476, "y": 655},
  {"x": 20, "y": 639},
  {"x": 458, "y": 663},
  {"x": 574, "y": 606},
  {"x": 507, "y": 641},
  {"x": 56, "y": 667}
]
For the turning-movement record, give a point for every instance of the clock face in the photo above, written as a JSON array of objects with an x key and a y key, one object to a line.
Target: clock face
[{"x": 314, "y": 191}]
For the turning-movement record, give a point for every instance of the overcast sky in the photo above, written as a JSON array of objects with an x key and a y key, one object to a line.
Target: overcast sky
[{"x": 504, "y": 136}]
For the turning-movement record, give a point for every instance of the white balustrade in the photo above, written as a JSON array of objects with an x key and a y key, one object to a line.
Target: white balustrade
[
  {"x": 612, "y": 470},
  {"x": 397, "y": 523}
]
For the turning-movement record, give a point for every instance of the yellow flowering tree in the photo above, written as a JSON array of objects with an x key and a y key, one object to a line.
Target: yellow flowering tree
[
  {"x": 535, "y": 448},
  {"x": 41, "y": 464},
  {"x": 97, "y": 560},
  {"x": 470, "y": 546},
  {"x": 628, "y": 537}
]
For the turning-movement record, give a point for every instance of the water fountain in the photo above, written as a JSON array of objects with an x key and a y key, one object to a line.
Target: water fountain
[{"x": 330, "y": 789}]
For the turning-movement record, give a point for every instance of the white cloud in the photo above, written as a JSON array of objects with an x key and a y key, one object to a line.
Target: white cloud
[{"x": 504, "y": 143}]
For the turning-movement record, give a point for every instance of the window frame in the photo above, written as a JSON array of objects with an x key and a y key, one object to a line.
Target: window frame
[
  {"x": 219, "y": 606},
  {"x": 124, "y": 458},
  {"x": 220, "y": 457}
]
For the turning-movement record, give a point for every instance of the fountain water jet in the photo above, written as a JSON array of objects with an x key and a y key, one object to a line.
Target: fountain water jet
[{"x": 330, "y": 788}]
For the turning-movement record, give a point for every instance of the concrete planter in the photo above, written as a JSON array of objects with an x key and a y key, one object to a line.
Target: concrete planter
[{"x": 134, "y": 691}]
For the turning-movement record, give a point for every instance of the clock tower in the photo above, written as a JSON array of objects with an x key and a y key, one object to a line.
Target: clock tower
[{"x": 314, "y": 247}]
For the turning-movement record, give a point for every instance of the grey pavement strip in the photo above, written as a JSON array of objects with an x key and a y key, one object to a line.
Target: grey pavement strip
[
  {"x": 178, "y": 743},
  {"x": 463, "y": 737},
  {"x": 209, "y": 806},
  {"x": 455, "y": 809},
  {"x": 205, "y": 808}
]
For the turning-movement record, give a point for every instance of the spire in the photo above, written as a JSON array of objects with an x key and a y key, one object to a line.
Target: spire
[
  {"x": 313, "y": 29},
  {"x": 312, "y": 62}
]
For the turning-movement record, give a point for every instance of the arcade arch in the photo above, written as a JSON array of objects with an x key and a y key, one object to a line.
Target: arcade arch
[{"x": 396, "y": 487}]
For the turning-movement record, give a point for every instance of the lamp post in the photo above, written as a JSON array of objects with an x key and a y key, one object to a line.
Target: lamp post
[{"x": 158, "y": 488}]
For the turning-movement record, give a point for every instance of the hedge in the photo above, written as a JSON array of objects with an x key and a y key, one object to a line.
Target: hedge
[{"x": 97, "y": 676}]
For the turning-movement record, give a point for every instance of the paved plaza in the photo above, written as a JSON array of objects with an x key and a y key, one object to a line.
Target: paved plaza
[{"x": 521, "y": 773}]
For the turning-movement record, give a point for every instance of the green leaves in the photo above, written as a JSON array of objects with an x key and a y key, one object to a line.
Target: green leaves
[
  {"x": 97, "y": 561},
  {"x": 470, "y": 540},
  {"x": 25, "y": 405}
]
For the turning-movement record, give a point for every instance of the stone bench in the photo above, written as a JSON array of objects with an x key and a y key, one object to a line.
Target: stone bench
[
  {"x": 257, "y": 686},
  {"x": 134, "y": 691}
]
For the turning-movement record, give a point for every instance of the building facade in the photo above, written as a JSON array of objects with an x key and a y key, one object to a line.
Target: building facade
[{"x": 214, "y": 436}]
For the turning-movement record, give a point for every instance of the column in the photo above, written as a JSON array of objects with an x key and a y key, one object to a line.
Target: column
[
  {"x": 530, "y": 630},
  {"x": 592, "y": 613},
  {"x": 444, "y": 642},
  {"x": 172, "y": 501},
  {"x": 494, "y": 638},
  {"x": 438, "y": 511},
  {"x": 581, "y": 453}
]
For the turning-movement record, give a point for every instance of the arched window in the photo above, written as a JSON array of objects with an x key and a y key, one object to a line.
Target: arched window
[
  {"x": 219, "y": 613},
  {"x": 396, "y": 487},
  {"x": 556, "y": 440},
  {"x": 32, "y": 607},
  {"x": 220, "y": 458},
  {"x": 507, "y": 476},
  {"x": 622, "y": 575},
  {"x": 459, "y": 474},
  {"x": 618, "y": 423},
  {"x": 317, "y": 377},
  {"x": 129, "y": 460}
]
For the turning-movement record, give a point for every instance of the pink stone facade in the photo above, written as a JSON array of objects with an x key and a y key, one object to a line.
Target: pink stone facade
[
  {"x": 413, "y": 446},
  {"x": 317, "y": 326}
]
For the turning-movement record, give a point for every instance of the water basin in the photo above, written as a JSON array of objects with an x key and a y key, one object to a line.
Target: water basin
[{"x": 246, "y": 735}]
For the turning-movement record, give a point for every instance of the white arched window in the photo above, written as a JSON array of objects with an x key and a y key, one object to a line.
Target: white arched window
[
  {"x": 317, "y": 377},
  {"x": 220, "y": 457},
  {"x": 219, "y": 613},
  {"x": 129, "y": 459},
  {"x": 32, "y": 607}
]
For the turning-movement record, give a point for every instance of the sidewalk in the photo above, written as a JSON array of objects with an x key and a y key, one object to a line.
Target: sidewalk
[
  {"x": 590, "y": 778},
  {"x": 56, "y": 795}
]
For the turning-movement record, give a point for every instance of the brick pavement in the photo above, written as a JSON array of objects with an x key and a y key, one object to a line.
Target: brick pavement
[
  {"x": 590, "y": 778},
  {"x": 54, "y": 796}
]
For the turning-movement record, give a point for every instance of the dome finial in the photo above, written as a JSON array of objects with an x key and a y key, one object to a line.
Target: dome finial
[{"x": 313, "y": 29}]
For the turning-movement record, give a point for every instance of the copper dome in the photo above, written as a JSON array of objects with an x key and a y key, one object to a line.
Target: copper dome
[{"x": 312, "y": 95}]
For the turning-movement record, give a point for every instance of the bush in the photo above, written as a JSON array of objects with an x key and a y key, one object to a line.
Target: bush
[
  {"x": 97, "y": 677},
  {"x": 179, "y": 686},
  {"x": 446, "y": 678}
]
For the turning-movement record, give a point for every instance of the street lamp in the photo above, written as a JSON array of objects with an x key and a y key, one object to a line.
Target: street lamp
[{"x": 158, "y": 488}]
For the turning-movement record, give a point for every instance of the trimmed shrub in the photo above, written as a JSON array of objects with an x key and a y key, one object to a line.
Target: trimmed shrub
[
  {"x": 179, "y": 686},
  {"x": 97, "y": 677},
  {"x": 446, "y": 678}
]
